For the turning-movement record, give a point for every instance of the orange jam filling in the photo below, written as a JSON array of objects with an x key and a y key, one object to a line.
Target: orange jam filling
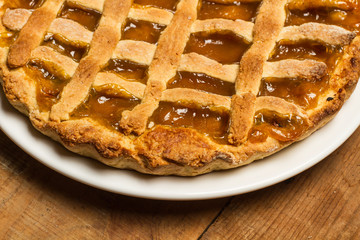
[
  {"x": 142, "y": 31},
  {"x": 89, "y": 18},
  {"x": 236, "y": 10},
  {"x": 303, "y": 92},
  {"x": 212, "y": 124},
  {"x": 283, "y": 127},
  {"x": 128, "y": 70},
  {"x": 23, "y": 4},
  {"x": 7, "y": 38},
  {"x": 76, "y": 53},
  {"x": 105, "y": 109},
  {"x": 202, "y": 82},
  {"x": 348, "y": 19},
  {"x": 164, "y": 4},
  {"x": 48, "y": 85},
  {"x": 224, "y": 48},
  {"x": 307, "y": 50}
]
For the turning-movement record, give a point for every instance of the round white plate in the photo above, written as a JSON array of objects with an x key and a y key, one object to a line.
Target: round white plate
[{"x": 260, "y": 174}]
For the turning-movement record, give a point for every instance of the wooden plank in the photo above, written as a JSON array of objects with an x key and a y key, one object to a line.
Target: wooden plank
[
  {"x": 321, "y": 203},
  {"x": 38, "y": 203}
]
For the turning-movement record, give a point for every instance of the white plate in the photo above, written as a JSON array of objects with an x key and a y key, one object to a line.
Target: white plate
[{"x": 260, "y": 174}]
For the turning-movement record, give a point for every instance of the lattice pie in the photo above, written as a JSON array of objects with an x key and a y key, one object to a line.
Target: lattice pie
[{"x": 179, "y": 87}]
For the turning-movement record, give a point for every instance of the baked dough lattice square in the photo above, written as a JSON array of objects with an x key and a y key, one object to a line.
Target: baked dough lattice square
[{"x": 181, "y": 87}]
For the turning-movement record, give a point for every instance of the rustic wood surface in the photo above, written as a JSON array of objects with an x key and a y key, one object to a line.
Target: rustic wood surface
[{"x": 321, "y": 203}]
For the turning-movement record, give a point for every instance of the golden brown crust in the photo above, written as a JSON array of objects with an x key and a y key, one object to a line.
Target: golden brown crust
[
  {"x": 102, "y": 47},
  {"x": 151, "y": 14},
  {"x": 343, "y": 81},
  {"x": 71, "y": 31},
  {"x": 239, "y": 27},
  {"x": 182, "y": 146},
  {"x": 133, "y": 88},
  {"x": 16, "y": 19},
  {"x": 194, "y": 62},
  {"x": 193, "y": 97},
  {"x": 328, "y": 34},
  {"x": 29, "y": 39},
  {"x": 267, "y": 28},
  {"x": 62, "y": 65},
  {"x": 166, "y": 61},
  {"x": 294, "y": 69},
  {"x": 97, "y": 5},
  {"x": 166, "y": 150},
  {"x": 135, "y": 51},
  {"x": 306, "y": 4},
  {"x": 242, "y": 110}
]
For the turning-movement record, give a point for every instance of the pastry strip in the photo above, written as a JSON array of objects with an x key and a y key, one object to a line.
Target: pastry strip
[
  {"x": 192, "y": 97},
  {"x": 15, "y": 19},
  {"x": 166, "y": 61},
  {"x": 150, "y": 14},
  {"x": 135, "y": 51},
  {"x": 71, "y": 31},
  {"x": 328, "y": 34},
  {"x": 268, "y": 25},
  {"x": 295, "y": 69},
  {"x": 231, "y": 1},
  {"x": 279, "y": 105},
  {"x": 102, "y": 46},
  {"x": 241, "y": 28},
  {"x": 29, "y": 39},
  {"x": 55, "y": 62},
  {"x": 90, "y": 4},
  {"x": 66, "y": 28},
  {"x": 135, "y": 88},
  {"x": 308, "y": 4},
  {"x": 194, "y": 62}
]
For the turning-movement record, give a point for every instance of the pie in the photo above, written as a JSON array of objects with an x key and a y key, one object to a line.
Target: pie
[{"x": 179, "y": 87}]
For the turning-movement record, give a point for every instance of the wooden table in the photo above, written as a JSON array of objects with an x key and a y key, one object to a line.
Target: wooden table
[{"x": 321, "y": 203}]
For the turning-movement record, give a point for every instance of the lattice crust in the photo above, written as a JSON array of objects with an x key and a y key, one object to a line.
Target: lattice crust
[{"x": 138, "y": 142}]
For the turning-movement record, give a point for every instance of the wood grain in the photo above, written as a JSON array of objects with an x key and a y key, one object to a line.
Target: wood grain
[
  {"x": 321, "y": 203},
  {"x": 36, "y": 203}
]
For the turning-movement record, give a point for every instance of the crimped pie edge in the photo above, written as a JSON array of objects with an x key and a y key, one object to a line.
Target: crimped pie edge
[
  {"x": 82, "y": 136},
  {"x": 196, "y": 154}
]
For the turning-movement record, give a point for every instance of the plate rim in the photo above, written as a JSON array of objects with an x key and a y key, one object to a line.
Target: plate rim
[{"x": 28, "y": 132}]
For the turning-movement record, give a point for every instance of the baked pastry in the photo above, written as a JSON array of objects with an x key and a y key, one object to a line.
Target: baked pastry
[{"x": 181, "y": 87}]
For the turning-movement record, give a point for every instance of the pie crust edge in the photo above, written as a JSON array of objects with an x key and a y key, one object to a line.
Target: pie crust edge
[
  {"x": 164, "y": 150},
  {"x": 188, "y": 158}
]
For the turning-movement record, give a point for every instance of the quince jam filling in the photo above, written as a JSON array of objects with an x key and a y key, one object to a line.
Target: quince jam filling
[
  {"x": 164, "y": 4},
  {"x": 283, "y": 127},
  {"x": 7, "y": 38},
  {"x": 49, "y": 86},
  {"x": 24, "y": 4},
  {"x": 303, "y": 92},
  {"x": 67, "y": 49},
  {"x": 202, "y": 82},
  {"x": 89, "y": 18},
  {"x": 236, "y": 10},
  {"x": 215, "y": 45},
  {"x": 142, "y": 31},
  {"x": 211, "y": 123},
  {"x": 307, "y": 50},
  {"x": 129, "y": 70},
  {"x": 50, "y": 81},
  {"x": 349, "y": 19},
  {"x": 105, "y": 108}
]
